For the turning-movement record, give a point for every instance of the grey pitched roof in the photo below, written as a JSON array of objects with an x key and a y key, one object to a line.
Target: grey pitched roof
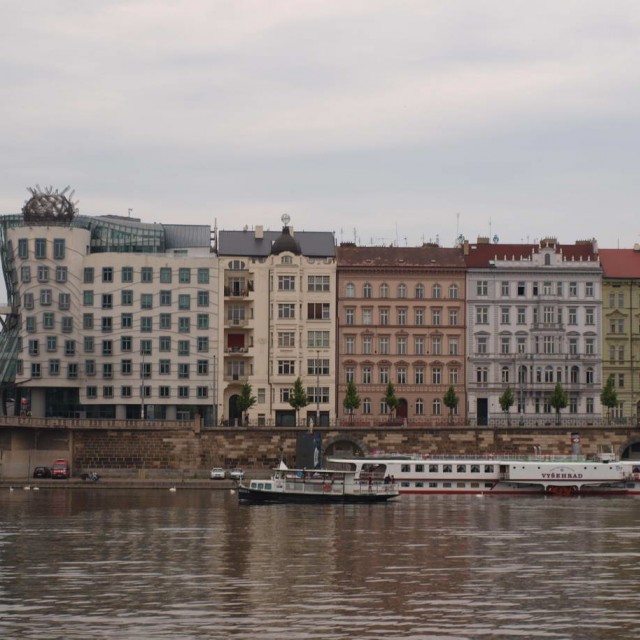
[{"x": 313, "y": 244}]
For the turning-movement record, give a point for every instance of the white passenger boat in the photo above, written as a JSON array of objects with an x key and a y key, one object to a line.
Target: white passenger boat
[
  {"x": 317, "y": 486},
  {"x": 500, "y": 473}
]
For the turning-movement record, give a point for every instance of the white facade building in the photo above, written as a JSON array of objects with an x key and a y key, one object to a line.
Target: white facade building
[{"x": 534, "y": 318}]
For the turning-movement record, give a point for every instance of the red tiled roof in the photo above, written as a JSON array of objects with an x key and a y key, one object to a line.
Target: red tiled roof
[
  {"x": 620, "y": 263},
  {"x": 399, "y": 257},
  {"x": 480, "y": 254}
]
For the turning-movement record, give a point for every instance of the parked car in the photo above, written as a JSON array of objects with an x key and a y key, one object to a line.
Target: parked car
[
  {"x": 217, "y": 473},
  {"x": 236, "y": 474},
  {"x": 42, "y": 472},
  {"x": 60, "y": 469}
]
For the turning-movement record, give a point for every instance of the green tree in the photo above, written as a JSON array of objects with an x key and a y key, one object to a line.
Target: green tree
[
  {"x": 609, "y": 397},
  {"x": 451, "y": 401},
  {"x": 390, "y": 399},
  {"x": 351, "y": 400},
  {"x": 245, "y": 401},
  {"x": 558, "y": 400},
  {"x": 506, "y": 401},
  {"x": 298, "y": 398}
]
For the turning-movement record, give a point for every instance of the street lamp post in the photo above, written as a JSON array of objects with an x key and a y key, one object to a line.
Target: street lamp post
[
  {"x": 142, "y": 386},
  {"x": 317, "y": 388},
  {"x": 214, "y": 408}
]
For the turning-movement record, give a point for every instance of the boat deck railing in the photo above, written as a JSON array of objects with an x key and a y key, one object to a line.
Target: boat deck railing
[
  {"x": 318, "y": 486},
  {"x": 488, "y": 457}
]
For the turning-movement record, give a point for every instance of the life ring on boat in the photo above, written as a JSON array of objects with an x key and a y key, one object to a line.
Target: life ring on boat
[{"x": 326, "y": 487}]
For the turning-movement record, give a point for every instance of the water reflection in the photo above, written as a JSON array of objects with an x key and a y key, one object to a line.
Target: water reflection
[{"x": 190, "y": 564}]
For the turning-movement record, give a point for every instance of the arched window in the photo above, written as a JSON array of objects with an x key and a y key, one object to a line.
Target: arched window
[
  {"x": 420, "y": 291},
  {"x": 351, "y": 290},
  {"x": 505, "y": 374},
  {"x": 575, "y": 375},
  {"x": 384, "y": 290},
  {"x": 547, "y": 259},
  {"x": 402, "y": 290},
  {"x": 436, "y": 291},
  {"x": 453, "y": 291},
  {"x": 590, "y": 375},
  {"x": 522, "y": 374},
  {"x": 367, "y": 291}
]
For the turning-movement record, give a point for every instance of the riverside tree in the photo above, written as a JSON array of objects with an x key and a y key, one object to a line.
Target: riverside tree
[
  {"x": 245, "y": 401},
  {"x": 298, "y": 397},
  {"x": 451, "y": 402},
  {"x": 390, "y": 399},
  {"x": 506, "y": 401},
  {"x": 351, "y": 400},
  {"x": 609, "y": 397},
  {"x": 558, "y": 400}
]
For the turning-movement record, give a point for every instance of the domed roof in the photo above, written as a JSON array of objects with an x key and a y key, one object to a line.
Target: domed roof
[{"x": 285, "y": 242}]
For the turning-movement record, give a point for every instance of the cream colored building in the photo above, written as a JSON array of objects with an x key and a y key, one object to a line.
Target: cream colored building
[
  {"x": 277, "y": 324},
  {"x": 110, "y": 317}
]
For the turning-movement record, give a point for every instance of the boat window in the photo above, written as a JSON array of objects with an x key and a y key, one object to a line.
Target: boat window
[
  {"x": 462, "y": 468},
  {"x": 446, "y": 468},
  {"x": 405, "y": 484},
  {"x": 446, "y": 485},
  {"x": 488, "y": 485},
  {"x": 260, "y": 485},
  {"x": 475, "y": 468},
  {"x": 433, "y": 485},
  {"x": 461, "y": 485},
  {"x": 433, "y": 468},
  {"x": 405, "y": 468},
  {"x": 475, "y": 485},
  {"x": 488, "y": 468},
  {"x": 420, "y": 485},
  {"x": 419, "y": 468},
  {"x": 267, "y": 485}
]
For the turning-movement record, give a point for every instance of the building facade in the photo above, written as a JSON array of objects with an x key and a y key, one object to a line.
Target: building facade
[
  {"x": 277, "y": 295},
  {"x": 401, "y": 319},
  {"x": 110, "y": 317},
  {"x": 621, "y": 327},
  {"x": 534, "y": 318}
]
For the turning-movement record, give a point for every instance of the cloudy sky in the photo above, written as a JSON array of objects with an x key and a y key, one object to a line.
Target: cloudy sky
[{"x": 380, "y": 120}]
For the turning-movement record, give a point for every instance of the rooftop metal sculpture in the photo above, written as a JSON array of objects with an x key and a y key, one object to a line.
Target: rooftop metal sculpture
[{"x": 49, "y": 206}]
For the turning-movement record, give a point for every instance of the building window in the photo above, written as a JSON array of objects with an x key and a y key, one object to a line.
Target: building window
[
  {"x": 67, "y": 324},
  {"x": 88, "y": 276},
  {"x": 107, "y": 301},
  {"x": 146, "y": 324},
  {"x": 286, "y": 311},
  {"x": 126, "y": 320},
  {"x": 384, "y": 375},
  {"x": 402, "y": 316},
  {"x": 436, "y": 407},
  {"x": 184, "y": 275},
  {"x": 350, "y": 316},
  {"x": 436, "y": 375},
  {"x": 25, "y": 273},
  {"x": 165, "y": 321},
  {"x": 589, "y": 317},
  {"x": 367, "y": 291},
  {"x": 366, "y": 406},
  {"x": 107, "y": 274},
  {"x": 23, "y": 248},
  {"x": 401, "y": 345},
  {"x": 203, "y": 275},
  {"x": 350, "y": 290},
  {"x": 419, "y": 407},
  {"x": 89, "y": 344},
  {"x": 419, "y": 292},
  {"x": 164, "y": 344},
  {"x": 183, "y": 370},
  {"x": 366, "y": 375},
  {"x": 184, "y": 324},
  {"x": 184, "y": 301},
  {"x": 505, "y": 315},
  {"x": 318, "y": 283},
  {"x": 286, "y": 283},
  {"x": 482, "y": 287},
  {"x": 318, "y": 311},
  {"x": 203, "y": 299},
  {"x": 318, "y": 339},
  {"x": 146, "y": 301},
  {"x": 203, "y": 344},
  {"x": 146, "y": 274},
  {"x": 589, "y": 289},
  {"x": 286, "y": 367},
  {"x": 40, "y": 248},
  {"x": 126, "y": 274}
]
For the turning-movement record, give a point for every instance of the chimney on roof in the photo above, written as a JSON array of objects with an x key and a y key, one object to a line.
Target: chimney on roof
[
  {"x": 483, "y": 239},
  {"x": 465, "y": 248},
  {"x": 259, "y": 232}
]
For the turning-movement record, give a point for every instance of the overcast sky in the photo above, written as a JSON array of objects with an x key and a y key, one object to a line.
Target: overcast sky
[{"x": 379, "y": 120}]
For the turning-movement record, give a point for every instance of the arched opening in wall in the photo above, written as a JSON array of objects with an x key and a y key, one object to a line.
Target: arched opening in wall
[
  {"x": 402, "y": 410},
  {"x": 344, "y": 446},
  {"x": 631, "y": 451},
  {"x": 235, "y": 418}
]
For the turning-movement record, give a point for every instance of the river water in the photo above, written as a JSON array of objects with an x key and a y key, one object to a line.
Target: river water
[{"x": 98, "y": 563}]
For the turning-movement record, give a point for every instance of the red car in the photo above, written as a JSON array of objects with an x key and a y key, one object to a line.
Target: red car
[{"x": 60, "y": 469}]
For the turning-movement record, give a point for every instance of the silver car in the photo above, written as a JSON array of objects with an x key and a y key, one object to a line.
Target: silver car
[
  {"x": 236, "y": 474},
  {"x": 217, "y": 473}
]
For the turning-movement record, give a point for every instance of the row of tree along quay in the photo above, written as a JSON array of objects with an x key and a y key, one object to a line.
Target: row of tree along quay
[
  {"x": 559, "y": 399},
  {"x": 298, "y": 399}
]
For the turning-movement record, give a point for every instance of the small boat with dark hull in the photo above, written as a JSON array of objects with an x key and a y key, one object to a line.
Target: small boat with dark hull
[{"x": 317, "y": 486}]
